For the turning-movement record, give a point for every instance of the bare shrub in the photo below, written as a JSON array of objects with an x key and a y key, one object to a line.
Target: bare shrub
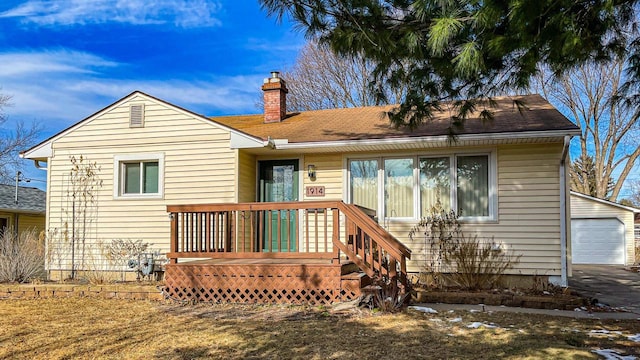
[
  {"x": 100, "y": 270},
  {"x": 388, "y": 297},
  {"x": 453, "y": 257},
  {"x": 121, "y": 251},
  {"x": 437, "y": 230},
  {"x": 109, "y": 262},
  {"x": 21, "y": 256},
  {"x": 478, "y": 265}
]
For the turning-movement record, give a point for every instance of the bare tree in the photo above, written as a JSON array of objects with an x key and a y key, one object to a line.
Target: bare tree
[
  {"x": 11, "y": 143},
  {"x": 634, "y": 198},
  {"x": 583, "y": 176},
  {"x": 610, "y": 131},
  {"x": 320, "y": 79}
]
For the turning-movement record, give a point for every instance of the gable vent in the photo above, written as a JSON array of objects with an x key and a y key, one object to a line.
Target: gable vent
[{"x": 136, "y": 115}]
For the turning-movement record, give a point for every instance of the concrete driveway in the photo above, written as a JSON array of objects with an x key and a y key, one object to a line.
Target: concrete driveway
[{"x": 610, "y": 284}]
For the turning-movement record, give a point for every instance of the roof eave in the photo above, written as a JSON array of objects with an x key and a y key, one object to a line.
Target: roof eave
[
  {"x": 23, "y": 211},
  {"x": 40, "y": 151},
  {"x": 240, "y": 140},
  {"x": 444, "y": 139}
]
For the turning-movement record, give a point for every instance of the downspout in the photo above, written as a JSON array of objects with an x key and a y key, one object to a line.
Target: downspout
[{"x": 563, "y": 213}]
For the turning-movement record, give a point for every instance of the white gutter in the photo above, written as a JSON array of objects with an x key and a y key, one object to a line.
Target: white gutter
[
  {"x": 427, "y": 139},
  {"x": 563, "y": 213},
  {"x": 39, "y": 166}
]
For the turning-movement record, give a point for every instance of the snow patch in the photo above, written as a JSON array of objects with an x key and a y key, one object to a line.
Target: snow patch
[
  {"x": 423, "y": 309},
  {"x": 634, "y": 338},
  {"x": 604, "y": 331},
  {"x": 609, "y": 354},
  {"x": 458, "y": 319},
  {"x": 476, "y": 325}
]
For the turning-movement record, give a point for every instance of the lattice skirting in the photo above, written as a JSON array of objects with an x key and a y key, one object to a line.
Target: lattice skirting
[{"x": 259, "y": 283}]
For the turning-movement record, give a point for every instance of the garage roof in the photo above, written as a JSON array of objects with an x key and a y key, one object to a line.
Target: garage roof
[{"x": 606, "y": 202}]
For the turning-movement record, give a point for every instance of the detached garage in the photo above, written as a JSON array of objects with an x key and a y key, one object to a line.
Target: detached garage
[{"x": 601, "y": 231}]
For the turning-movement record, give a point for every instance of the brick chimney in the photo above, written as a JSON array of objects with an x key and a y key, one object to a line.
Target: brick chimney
[{"x": 275, "y": 98}]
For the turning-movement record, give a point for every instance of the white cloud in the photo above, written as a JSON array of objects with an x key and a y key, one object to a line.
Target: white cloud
[
  {"x": 60, "y": 87},
  {"x": 180, "y": 13},
  {"x": 26, "y": 63}
]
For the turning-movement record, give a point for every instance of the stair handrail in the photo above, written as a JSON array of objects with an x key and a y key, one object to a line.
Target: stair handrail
[
  {"x": 386, "y": 240},
  {"x": 397, "y": 251}
]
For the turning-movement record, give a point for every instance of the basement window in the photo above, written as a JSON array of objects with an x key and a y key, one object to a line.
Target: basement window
[
  {"x": 139, "y": 176},
  {"x": 136, "y": 115}
]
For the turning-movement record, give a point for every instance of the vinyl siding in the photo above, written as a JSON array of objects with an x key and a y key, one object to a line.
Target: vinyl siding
[
  {"x": 582, "y": 208},
  {"x": 247, "y": 177},
  {"x": 198, "y": 168},
  {"x": 31, "y": 222},
  {"x": 329, "y": 175},
  {"x": 26, "y": 222},
  {"x": 528, "y": 213}
]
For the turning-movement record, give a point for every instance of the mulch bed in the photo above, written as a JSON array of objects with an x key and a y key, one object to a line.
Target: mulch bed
[{"x": 550, "y": 301}]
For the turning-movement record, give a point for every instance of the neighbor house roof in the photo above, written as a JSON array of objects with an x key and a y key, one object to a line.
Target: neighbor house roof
[
  {"x": 30, "y": 200},
  {"x": 367, "y": 123}
]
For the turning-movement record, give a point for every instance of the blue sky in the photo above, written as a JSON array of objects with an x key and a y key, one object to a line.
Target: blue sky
[{"x": 63, "y": 60}]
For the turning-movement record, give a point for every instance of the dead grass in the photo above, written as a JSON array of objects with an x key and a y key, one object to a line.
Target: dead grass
[{"x": 120, "y": 329}]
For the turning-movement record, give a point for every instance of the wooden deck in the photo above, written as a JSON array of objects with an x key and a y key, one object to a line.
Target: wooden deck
[
  {"x": 325, "y": 252},
  {"x": 298, "y": 281}
]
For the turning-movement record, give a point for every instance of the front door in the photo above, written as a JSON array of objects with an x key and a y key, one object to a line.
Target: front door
[{"x": 278, "y": 182}]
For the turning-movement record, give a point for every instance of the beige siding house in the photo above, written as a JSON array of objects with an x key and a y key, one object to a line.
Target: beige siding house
[
  {"x": 158, "y": 162},
  {"x": 22, "y": 209},
  {"x": 602, "y": 232}
]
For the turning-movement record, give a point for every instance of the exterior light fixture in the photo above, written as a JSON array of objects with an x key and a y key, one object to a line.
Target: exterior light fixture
[{"x": 311, "y": 171}]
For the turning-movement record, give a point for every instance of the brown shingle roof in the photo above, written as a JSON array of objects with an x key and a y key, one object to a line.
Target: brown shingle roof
[{"x": 371, "y": 123}]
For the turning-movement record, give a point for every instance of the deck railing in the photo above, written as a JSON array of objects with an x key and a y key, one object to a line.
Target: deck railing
[{"x": 329, "y": 230}]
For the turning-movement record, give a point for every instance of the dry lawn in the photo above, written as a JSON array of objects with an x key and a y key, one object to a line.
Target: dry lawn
[{"x": 119, "y": 329}]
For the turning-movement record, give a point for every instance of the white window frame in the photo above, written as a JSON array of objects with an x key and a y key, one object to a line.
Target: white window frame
[
  {"x": 453, "y": 156},
  {"x": 118, "y": 175}
]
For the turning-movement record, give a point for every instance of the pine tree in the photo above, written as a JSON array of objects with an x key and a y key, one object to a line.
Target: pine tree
[{"x": 454, "y": 49}]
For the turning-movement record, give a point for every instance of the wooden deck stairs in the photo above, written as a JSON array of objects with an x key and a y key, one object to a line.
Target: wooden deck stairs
[{"x": 225, "y": 253}]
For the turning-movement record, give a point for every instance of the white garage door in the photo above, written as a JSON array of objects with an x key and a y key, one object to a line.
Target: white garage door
[{"x": 597, "y": 241}]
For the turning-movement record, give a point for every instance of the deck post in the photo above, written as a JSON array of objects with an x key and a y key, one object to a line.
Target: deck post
[
  {"x": 336, "y": 235},
  {"x": 174, "y": 236}
]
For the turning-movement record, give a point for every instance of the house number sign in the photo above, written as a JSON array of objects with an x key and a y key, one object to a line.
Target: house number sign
[{"x": 315, "y": 190}]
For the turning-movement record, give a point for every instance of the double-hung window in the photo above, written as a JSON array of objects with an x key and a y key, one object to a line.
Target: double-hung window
[
  {"x": 363, "y": 180},
  {"x": 399, "y": 187},
  {"x": 138, "y": 176},
  {"x": 409, "y": 187}
]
